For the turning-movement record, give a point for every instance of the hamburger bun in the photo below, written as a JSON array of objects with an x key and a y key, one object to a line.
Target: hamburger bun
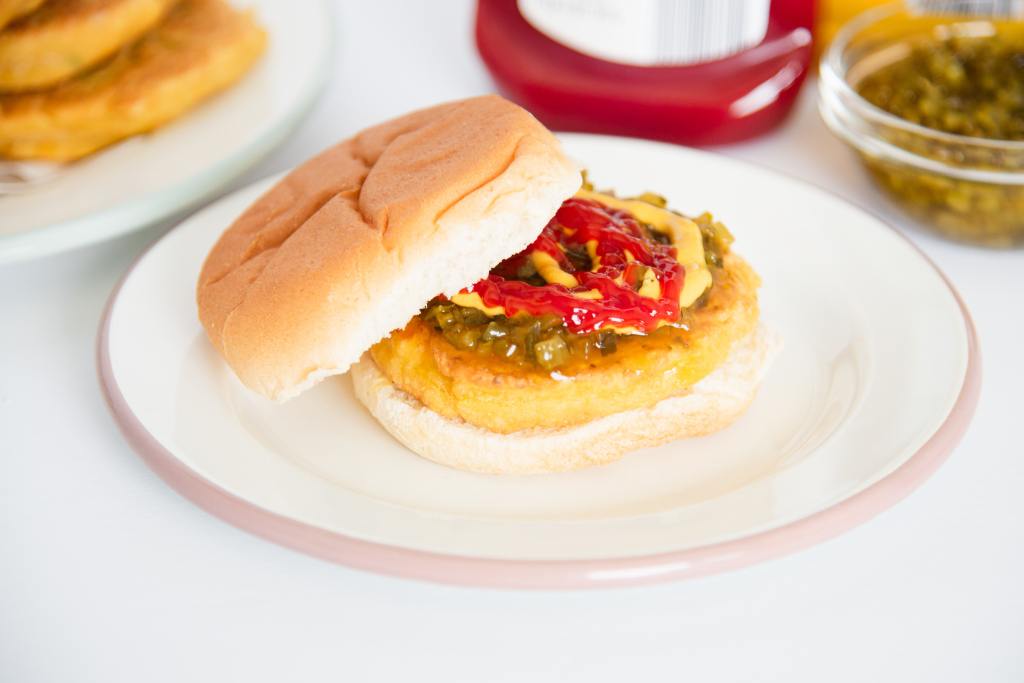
[
  {"x": 330, "y": 270},
  {"x": 351, "y": 244}
]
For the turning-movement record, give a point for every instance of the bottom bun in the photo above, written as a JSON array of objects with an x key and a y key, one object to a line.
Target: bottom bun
[{"x": 713, "y": 403}]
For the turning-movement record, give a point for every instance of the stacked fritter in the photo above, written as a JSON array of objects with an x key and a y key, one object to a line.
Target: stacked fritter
[{"x": 78, "y": 75}]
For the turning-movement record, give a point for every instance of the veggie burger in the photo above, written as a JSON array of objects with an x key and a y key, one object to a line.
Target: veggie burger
[{"x": 495, "y": 312}]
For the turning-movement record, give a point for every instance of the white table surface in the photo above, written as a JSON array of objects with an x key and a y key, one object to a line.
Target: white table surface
[{"x": 106, "y": 574}]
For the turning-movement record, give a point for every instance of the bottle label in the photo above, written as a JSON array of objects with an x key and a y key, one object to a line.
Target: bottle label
[
  {"x": 992, "y": 8},
  {"x": 651, "y": 32}
]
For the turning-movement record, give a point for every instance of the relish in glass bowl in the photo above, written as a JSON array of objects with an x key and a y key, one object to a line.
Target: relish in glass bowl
[{"x": 934, "y": 107}]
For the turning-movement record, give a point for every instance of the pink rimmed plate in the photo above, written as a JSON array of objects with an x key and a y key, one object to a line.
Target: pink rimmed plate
[{"x": 876, "y": 383}]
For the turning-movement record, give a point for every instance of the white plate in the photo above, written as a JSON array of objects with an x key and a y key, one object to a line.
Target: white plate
[
  {"x": 876, "y": 384},
  {"x": 142, "y": 180}
]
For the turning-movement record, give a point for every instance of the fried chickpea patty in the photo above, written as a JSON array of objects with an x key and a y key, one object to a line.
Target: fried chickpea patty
[
  {"x": 13, "y": 9},
  {"x": 67, "y": 37},
  {"x": 201, "y": 48},
  {"x": 503, "y": 397}
]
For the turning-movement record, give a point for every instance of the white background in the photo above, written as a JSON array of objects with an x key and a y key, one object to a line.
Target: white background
[{"x": 106, "y": 574}]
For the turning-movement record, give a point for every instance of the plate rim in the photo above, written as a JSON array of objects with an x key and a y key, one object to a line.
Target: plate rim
[
  {"x": 149, "y": 209},
  {"x": 462, "y": 570}
]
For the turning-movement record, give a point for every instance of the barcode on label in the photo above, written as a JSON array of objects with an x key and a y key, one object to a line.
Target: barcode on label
[
  {"x": 704, "y": 30},
  {"x": 651, "y": 32},
  {"x": 993, "y": 8}
]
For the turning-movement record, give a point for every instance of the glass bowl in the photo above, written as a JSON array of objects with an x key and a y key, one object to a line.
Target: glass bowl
[{"x": 970, "y": 189}]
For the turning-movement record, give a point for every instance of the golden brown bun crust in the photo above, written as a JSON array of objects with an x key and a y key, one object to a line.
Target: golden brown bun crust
[
  {"x": 711, "y": 404},
  {"x": 502, "y": 397},
  {"x": 351, "y": 244}
]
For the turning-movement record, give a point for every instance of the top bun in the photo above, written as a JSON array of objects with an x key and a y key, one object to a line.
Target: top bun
[{"x": 351, "y": 244}]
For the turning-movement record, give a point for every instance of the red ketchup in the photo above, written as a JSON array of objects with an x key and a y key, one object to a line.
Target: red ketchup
[
  {"x": 615, "y": 232},
  {"x": 707, "y": 102}
]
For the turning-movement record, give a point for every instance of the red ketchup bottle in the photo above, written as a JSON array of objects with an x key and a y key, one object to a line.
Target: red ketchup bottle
[{"x": 698, "y": 72}]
